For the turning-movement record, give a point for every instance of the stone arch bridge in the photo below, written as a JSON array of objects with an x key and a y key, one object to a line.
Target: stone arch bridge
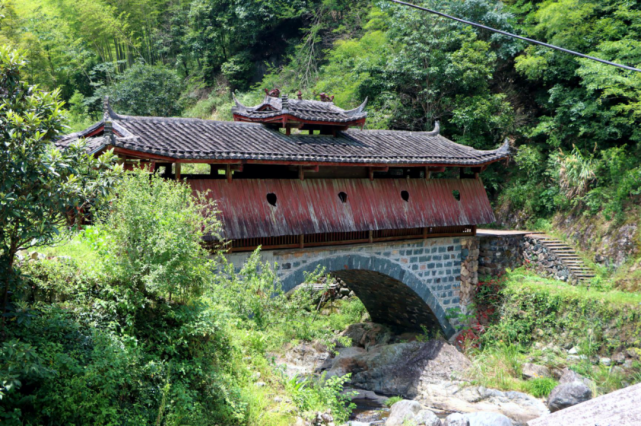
[{"x": 407, "y": 283}]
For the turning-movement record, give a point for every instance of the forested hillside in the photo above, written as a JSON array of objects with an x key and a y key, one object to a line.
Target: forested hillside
[
  {"x": 115, "y": 312},
  {"x": 574, "y": 121}
]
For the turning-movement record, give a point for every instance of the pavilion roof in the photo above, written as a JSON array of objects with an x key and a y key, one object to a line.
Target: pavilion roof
[
  {"x": 195, "y": 139},
  {"x": 304, "y": 110}
]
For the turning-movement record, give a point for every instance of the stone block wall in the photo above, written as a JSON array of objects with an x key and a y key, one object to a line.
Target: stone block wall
[
  {"x": 432, "y": 267},
  {"x": 469, "y": 269},
  {"x": 498, "y": 253},
  {"x": 544, "y": 262}
]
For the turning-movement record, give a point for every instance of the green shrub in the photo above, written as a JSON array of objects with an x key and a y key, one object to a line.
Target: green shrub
[
  {"x": 393, "y": 400},
  {"x": 540, "y": 386}
]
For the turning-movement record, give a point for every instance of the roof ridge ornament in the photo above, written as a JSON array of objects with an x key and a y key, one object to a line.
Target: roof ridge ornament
[
  {"x": 437, "y": 129},
  {"x": 106, "y": 109},
  {"x": 274, "y": 93},
  {"x": 326, "y": 98},
  {"x": 237, "y": 102},
  {"x": 359, "y": 109}
]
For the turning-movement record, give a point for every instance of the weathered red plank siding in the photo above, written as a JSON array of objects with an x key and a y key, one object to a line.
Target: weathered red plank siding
[{"x": 313, "y": 207}]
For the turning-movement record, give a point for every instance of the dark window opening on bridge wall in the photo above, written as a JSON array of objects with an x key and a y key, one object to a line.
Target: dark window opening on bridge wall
[
  {"x": 389, "y": 301},
  {"x": 271, "y": 199},
  {"x": 341, "y": 238},
  {"x": 405, "y": 196},
  {"x": 342, "y": 196}
]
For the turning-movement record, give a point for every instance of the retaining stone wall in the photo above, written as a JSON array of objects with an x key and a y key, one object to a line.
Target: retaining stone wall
[
  {"x": 545, "y": 263},
  {"x": 498, "y": 253}
]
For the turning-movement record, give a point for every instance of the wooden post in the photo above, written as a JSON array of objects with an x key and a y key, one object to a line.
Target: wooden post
[
  {"x": 228, "y": 173},
  {"x": 177, "y": 171},
  {"x": 428, "y": 174},
  {"x": 425, "y": 233},
  {"x": 301, "y": 241},
  {"x": 371, "y": 173},
  {"x": 301, "y": 173},
  {"x": 371, "y": 236}
]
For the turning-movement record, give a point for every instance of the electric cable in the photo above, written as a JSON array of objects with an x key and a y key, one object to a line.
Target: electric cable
[{"x": 505, "y": 33}]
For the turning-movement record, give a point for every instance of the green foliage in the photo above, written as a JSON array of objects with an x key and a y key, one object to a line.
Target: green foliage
[
  {"x": 393, "y": 400},
  {"x": 144, "y": 90},
  {"x": 314, "y": 396},
  {"x": 153, "y": 233},
  {"x": 40, "y": 185},
  {"x": 132, "y": 322},
  {"x": 534, "y": 306},
  {"x": 540, "y": 387}
]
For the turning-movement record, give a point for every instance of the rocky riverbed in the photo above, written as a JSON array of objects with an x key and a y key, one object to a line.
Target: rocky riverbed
[{"x": 431, "y": 376}]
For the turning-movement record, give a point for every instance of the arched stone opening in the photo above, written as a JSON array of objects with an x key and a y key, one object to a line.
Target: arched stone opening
[
  {"x": 389, "y": 301},
  {"x": 391, "y": 294}
]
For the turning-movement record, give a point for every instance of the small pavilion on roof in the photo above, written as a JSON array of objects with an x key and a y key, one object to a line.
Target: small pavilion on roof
[{"x": 323, "y": 184}]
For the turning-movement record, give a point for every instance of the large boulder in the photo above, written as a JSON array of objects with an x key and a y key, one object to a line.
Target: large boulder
[
  {"x": 398, "y": 369},
  {"x": 569, "y": 376},
  {"x": 368, "y": 334},
  {"x": 455, "y": 396},
  {"x": 487, "y": 419},
  {"x": 306, "y": 358},
  {"x": 457, "y": 419},
  {"x": 568, "y": 394},
  {"x": 346, "y": 361},
  {"x": 411, "y": 412},
  {"x": 533, "y": 371}
]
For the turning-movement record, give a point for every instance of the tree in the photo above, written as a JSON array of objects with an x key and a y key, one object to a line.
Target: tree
[
  {"x": 145, "y": 90},
  {"x": 40, "y": 185}
]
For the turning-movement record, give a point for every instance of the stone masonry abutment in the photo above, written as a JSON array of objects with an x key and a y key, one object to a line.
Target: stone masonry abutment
[{"x": 406, "y": 283}]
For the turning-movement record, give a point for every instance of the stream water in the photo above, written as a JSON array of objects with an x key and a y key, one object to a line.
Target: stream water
[{"x": 369, "y": 411}]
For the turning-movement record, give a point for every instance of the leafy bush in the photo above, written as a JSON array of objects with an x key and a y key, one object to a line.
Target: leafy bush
[
  {"x": 150, "y": 90},
  {"x": 540, "y": 387},
  {"x": 393, "y": 400}
]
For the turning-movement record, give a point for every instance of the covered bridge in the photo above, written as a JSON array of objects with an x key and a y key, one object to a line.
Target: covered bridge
[{"x": 296, "y": 174}]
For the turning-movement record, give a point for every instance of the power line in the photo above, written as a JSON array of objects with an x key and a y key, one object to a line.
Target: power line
[{"x": 505, "y": 33}]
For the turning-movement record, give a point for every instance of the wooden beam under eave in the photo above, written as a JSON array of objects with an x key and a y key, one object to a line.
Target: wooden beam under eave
[{"x": 371, "y": 171}]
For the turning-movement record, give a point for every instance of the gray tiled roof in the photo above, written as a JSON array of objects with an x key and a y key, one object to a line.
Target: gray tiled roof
[
  {"x": 187, "y": 138},
  {"x": 304, "y": 109}
]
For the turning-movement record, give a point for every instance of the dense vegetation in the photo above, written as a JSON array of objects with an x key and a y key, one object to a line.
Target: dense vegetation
[
  {"x": 574, "y": 121},
  {"x": 522, "y": 317},
  {"x": 127, "y": 321},
  {"x": 133, "y": 322}
]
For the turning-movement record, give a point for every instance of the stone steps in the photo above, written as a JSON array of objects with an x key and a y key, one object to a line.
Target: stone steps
[{"x": 568, "y": 256}]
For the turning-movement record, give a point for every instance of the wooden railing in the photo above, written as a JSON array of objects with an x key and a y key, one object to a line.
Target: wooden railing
[{"x": 341, "y": 238}]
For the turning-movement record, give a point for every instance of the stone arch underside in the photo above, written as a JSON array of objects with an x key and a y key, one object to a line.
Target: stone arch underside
[{"x": 391, "y": 294}]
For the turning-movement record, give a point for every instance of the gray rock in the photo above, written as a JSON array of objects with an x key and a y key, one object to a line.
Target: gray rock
[
  {"x": 404, "y": 411},
  {"x": 354, "y": 423},
  {"x": 368, "y": 334},
  {"x": 568, "y": 394},
  {"x": 573, "y": 351},
  {"x": 569, "y": 376},
  {"x": 605, "y": 361},
  {"x": 457, "y": 419},
  {"x": 398, "y": 369},
  {"x": 618, "y": 358},
  {"x": 532, "y": 371},
  {"x": 427, "y": 418},
  {"x": 487, "y": 419},
  {"x": 366, "y": 396}
]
